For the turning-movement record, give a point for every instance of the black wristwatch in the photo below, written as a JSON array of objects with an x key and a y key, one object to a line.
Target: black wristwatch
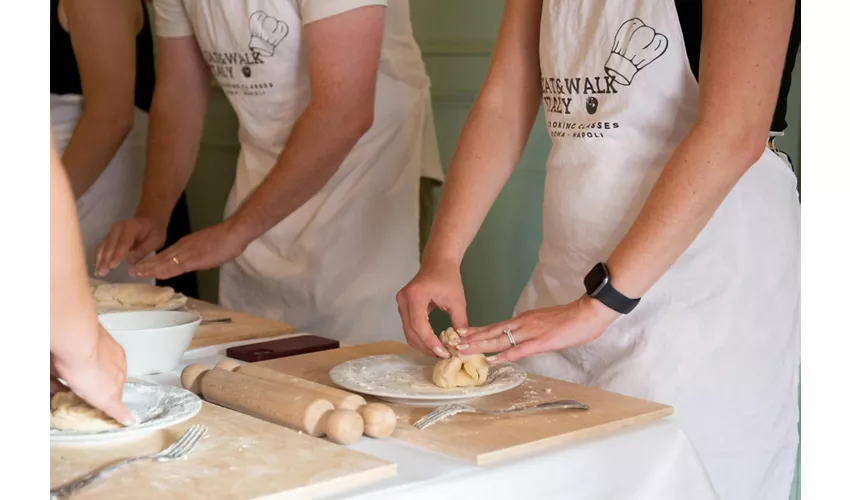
[{"x": 598, "y": 285}]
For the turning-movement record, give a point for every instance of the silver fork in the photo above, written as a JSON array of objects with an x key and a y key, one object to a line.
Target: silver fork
[
  {"x": 448, "y": 410},
  {"x": 178, "y": 449}
]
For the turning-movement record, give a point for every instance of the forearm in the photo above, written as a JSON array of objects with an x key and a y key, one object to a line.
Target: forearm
[
  {"x": 174, "y": 138},
  {"x": 73, "y": 318},
  {"x": 488, "y": 150},
  {"x": 319, "y": 142},
  {"x": 702, "y": 171},
  {"x": 94, "y": 142}
]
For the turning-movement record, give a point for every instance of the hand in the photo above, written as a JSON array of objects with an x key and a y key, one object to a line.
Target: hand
[
  {"x": 435, "y": 285},
  {"x": 131, "y": 238},
  {"x": 540, "y": 330},
  {"x": 205, "y": 249},
  {"x": 96, "y": 376}
]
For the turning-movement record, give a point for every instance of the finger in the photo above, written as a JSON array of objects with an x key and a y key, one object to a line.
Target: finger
[
  {"x": 161, "y": 263},
  {"x": 477, "y": 334},
  {"x": 457, "y": 313},
  {"x": 413, "y": 340},
  {"x": 416, "y": 310},
  {"x": 56, "y": 386},
  {"x": 126, "y": 240},
  {"x": 107, "y": 248},
  {"x": 522, "y": 350},
  {"x": 495, "y": 344},
  {"x": 142, "y": 250},
  {"x": 116, "y": 409}
]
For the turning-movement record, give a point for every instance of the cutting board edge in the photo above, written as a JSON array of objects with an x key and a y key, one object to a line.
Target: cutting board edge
[
  {"x": 321, "y": 490},
  {"x": 547, "y": 444}
]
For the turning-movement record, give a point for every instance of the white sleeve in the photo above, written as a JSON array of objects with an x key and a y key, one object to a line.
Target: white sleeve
[
  {"x": 172, "y": 21},
  {"x": 313, "y": 10}
]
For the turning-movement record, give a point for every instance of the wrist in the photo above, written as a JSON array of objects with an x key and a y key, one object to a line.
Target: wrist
[
  {"x": 239, "y": 227},
  {"x": 441, "y": 254},
  {"x": 157, "y": 214},
  {"x": 597, "y": 310}
]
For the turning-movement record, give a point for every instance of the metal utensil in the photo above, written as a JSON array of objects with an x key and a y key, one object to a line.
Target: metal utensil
[
  {"x": 454, "y": 408},
  {"x": 178, "y": 449},
  {"x": 219, "y": 320}
]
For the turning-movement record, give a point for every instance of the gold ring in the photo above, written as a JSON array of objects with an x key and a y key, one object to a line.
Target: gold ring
[{"x": 175, "y": 260}]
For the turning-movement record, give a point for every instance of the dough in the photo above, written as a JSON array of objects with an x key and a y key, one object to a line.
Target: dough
[
  {"x": 69, "y": 412},
  {"x": 132, "y": 294},
  {"x": 459, "y": 370}
]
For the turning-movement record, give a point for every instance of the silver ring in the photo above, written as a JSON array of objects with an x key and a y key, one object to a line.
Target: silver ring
[{"x": 510, "y": 335}]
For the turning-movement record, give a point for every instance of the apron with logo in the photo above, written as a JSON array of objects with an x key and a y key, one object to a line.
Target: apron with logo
[
  {"x": 717, "y": 337},
  {"x": 333, "y": 266},
  {"x": 114, "y": 195}
]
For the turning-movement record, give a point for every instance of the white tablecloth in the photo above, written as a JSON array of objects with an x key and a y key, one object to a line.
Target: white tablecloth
[{"x": 652, "y": 462}]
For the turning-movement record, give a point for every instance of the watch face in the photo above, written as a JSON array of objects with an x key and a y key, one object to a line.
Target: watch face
[{"x": 596, "y": 279}]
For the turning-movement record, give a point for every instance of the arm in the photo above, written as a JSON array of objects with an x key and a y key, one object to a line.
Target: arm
[
  {"x": 738, "y": 90},
  {"x": 494, "y": 135},
  {"x": 71, "y": 304},
  {"x": 81, "y": 352},
  {"x": 177, "y": 115},
  {"x": 489, "y": 148},
  {"x": 174, "y": 137},
  {"x": 103, "y": 35},
  {"x": 343, "y": 52}
]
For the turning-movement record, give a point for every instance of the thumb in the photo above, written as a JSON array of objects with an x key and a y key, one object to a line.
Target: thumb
[
  {"x": 116, "y": 409},
  {"x": 142, "y": 249}
]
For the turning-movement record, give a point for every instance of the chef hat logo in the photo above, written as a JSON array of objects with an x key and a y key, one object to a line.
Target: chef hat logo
[
  {"x": 636, "y": 45},
  {"x": 266, "y": 33}
]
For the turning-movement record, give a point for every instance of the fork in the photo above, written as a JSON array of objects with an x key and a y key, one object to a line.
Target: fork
[
  {"x": 448, "y": 410},
  {"x": 178, "y": 449}
]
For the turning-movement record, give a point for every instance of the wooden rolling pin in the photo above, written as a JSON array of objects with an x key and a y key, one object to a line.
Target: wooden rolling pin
[
  {"x": 379, "y": 419},
  {"x": 293, "y": 407}
]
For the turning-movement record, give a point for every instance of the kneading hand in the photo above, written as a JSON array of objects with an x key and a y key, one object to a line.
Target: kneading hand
[
  {"x": 539, "y": 330},
  {"x": 205, "y": 249},
  {"x": 97, "y": 377},
  {"x": 132, "y": 239}
]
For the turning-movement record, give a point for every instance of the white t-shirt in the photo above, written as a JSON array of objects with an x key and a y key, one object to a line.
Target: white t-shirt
[{"x": 232, "y": 33}]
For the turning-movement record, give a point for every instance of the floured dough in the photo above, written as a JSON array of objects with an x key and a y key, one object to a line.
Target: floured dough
[
  {"x": 459, "y": 370},
  {"x": 69, "y": 412},
  {"x": 132, "y": 294}
]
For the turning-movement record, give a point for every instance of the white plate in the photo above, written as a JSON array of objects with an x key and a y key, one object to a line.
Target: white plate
[
  {"x": 154, "y": 406},
  {"x": 407, "y": 381},
  {"x": 177, "y": 301}
]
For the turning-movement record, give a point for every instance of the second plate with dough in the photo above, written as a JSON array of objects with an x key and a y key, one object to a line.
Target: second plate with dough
[{"x": 403, "y": 380}]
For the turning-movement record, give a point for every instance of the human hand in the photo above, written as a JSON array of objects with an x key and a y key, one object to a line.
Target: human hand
[
  {"x": 205, "y": 249},
  {"x": 96, "y": 376},
  {"x": 539, "y": 330},
  {"x": 435, "y": 285},
  {"x": 132, "y": 238}
]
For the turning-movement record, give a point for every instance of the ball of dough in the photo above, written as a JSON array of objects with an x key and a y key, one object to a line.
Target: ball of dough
[
  {"x": 379, "y": 420},
  {"x": 70, "y": 412},
  {"x": 459, "y": 370}
]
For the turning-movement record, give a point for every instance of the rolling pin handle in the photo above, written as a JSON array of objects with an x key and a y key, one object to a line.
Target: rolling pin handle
[{"x": 191, "y": 377}]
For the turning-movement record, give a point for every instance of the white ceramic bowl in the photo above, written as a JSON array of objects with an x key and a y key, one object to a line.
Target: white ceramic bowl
[{"x": 153, "y": 341}]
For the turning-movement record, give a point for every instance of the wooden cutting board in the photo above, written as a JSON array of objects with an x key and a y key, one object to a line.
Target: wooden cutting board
[
  {"x": 486, "y": 439},
  {"x": 242, "y": 327},
  {"x": 240, "y": 458}
]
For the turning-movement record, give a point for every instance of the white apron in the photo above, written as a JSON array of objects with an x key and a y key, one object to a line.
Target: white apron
[
  {"x": 717, "y": 337},
  {"x": 114, "y": 195},
  {"x": 332, "y": 267}
]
